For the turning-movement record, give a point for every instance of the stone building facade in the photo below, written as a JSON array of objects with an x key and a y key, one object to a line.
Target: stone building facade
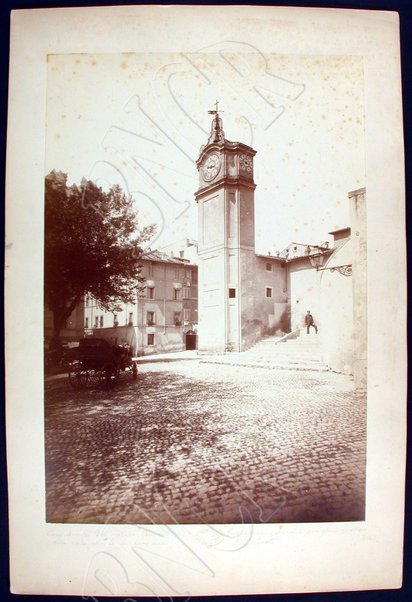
[
  {"x": 357, "y": 199},
  {"x": 343, "y": 288},
  {"x": 164, "y": 315}
]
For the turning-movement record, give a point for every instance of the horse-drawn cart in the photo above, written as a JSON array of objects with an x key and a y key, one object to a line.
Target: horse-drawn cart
[{"x": 96, "y": 361}]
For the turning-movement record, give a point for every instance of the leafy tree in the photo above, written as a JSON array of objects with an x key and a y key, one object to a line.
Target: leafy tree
[{"x": 92, "y": 246}]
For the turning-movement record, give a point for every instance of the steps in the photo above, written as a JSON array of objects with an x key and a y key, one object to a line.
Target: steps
[{"x": 301, "y": 353}]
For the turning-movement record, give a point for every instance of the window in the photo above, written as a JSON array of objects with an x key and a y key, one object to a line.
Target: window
[
  {"x": 186, "y": 292},
  {"x": 150, "y": 339},
  {"x": 101, "y": 321},
  {"x": 177, "y": 293},
  {"x": 150, "y": 292},
  {"x": 268, "y": 267},
  {"x": 150, "y": 318},
  {"x": 177, "y": 318},
  {"x": 86, "y": 324},
  {"x": 186, "y": 315},
  {"x": 96, "y": 321},
  {"x": 232, "y": 293},
  {"x": 177, "y": 273},
  {"x": 131, "y": 318},
  {"x": 188, "y": 274},
  {"x": 268, "y": 291}
]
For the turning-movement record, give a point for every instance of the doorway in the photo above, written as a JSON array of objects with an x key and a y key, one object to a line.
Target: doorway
[{"x": 191, "y": 340}]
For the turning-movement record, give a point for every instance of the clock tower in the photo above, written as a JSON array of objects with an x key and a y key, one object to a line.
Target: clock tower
[{"x": 226, "y": 242}]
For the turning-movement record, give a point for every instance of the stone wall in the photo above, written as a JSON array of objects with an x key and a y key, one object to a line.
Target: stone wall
[
  {"x": 304, "y": 293},
  {"x": 357, "y": 200},
  {"x": 336, "y": 323},
  {"x": 269, "y": 311}
]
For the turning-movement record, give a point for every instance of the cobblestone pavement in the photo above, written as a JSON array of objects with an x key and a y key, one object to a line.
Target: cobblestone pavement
[{"x": 201, "y": 443}]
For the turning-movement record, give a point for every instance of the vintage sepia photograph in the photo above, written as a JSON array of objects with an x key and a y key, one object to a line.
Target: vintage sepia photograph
[
  {"x": 205, "y": 317},
  {"x": 206, "y": 288}
]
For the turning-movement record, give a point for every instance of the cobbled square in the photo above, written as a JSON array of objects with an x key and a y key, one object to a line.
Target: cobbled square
[{"x": 191, "y": 442}]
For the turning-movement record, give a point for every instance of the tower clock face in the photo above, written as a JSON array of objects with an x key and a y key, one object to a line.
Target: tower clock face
[
  {"x": 245, "y": 164},
  {"x": 211, "y": 167}
]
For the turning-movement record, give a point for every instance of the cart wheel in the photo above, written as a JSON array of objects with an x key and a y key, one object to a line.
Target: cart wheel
[
  {"x": 78, "y": 376},
  {"x": 108, "y": 375},
  {"x": 134, "y": 371},
  {"x": 94, "y": 378}
]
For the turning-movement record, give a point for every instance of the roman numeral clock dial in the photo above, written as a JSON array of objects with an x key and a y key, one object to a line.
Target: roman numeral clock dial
[{"x": 211, "y": 167}]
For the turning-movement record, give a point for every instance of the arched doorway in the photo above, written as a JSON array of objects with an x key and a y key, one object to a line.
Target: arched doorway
[{"x": 191, "y": 340}]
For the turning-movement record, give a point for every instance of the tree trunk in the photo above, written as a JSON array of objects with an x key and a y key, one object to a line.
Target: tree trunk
[
  {"x": 60, "y": 316},
  {"x": 58, "y": 324}
]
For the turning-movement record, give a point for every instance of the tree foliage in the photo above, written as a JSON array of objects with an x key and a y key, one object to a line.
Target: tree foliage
[{"x": 92, "y": 246}]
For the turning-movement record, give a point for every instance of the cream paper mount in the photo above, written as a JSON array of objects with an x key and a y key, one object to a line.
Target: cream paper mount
[{"x": 56, "y": 54}]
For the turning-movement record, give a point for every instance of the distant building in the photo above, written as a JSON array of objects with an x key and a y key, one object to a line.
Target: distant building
[
  {"x": 164, "y": 315},
  {"x": 185, "y": 248},
  {"x": 296, "y": 250}
]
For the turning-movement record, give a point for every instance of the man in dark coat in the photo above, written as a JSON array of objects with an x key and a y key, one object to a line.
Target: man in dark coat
[{"x": 309, "y": 321}]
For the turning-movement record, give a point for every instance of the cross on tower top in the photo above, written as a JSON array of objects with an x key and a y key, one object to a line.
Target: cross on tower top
[
  {"x": 216, "y": 134},
  {"x": 216, "y": 110}
]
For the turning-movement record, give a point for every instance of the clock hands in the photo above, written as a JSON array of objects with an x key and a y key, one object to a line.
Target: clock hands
[{"x": 211, "y": 167}]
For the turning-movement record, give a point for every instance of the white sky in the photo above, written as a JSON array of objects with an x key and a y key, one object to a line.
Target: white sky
[{"x": 139, "y": 120}]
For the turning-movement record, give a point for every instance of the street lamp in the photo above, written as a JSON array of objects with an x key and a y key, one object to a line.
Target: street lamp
[{"x": 317, "y": 260}]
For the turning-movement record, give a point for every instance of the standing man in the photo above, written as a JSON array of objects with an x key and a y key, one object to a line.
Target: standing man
[{"x": 309, "y": 321}]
